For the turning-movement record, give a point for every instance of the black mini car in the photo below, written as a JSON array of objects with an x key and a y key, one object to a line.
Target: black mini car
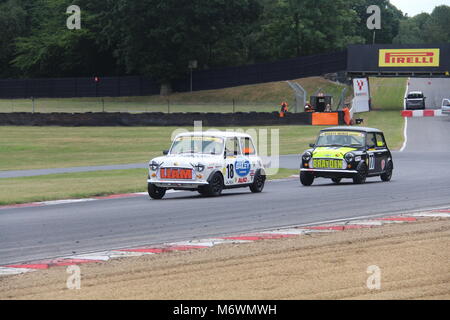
[{"x": 347, "y": 152}]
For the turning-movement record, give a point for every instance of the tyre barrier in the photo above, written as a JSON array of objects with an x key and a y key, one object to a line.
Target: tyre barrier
[{"x": 157, "y": 119}]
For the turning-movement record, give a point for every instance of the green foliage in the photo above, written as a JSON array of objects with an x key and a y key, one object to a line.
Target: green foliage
[
  {"x": 292, "y": 28},
  {"x": 160, "y": 37},
  {"x": 52, "y": 50},
  {"x": 390, "y": 20},
  {"x": 12, "y": 24},
  {"x": 426, "y": 28}
]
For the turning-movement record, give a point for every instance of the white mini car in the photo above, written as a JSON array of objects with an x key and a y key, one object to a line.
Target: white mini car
[{"x": 207, "y": 162}]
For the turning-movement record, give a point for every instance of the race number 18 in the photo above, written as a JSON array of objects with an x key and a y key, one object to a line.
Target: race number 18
[{"x": 230, "y": 170}]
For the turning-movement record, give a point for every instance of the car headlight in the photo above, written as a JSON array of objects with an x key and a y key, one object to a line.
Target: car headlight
[
  {"x": 307, "y": 156},
  {"x": 154, "y": 165},
  {"x": 349, "y": 157},
  {"x": 199, "y": 167}
]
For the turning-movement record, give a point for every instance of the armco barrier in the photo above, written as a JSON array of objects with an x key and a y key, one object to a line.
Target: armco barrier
[{"x": 156, "y": 119}]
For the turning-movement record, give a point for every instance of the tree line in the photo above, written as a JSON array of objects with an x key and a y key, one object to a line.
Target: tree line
[{"x": 160, "y": 37}]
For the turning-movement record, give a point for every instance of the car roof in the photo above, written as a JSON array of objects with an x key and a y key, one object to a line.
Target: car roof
[
  {"x": 348, "y": 128},
  {"x": 221, "y": 134},
  {"x": 416, "y": 92}
]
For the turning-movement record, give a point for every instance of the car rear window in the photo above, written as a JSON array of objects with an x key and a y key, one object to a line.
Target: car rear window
[{"x": 415, "y": 96}]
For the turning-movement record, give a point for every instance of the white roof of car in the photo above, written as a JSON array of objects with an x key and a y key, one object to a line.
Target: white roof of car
[
  {"x": 221, "y": 134},
  {"x": 416, "y": 92}
]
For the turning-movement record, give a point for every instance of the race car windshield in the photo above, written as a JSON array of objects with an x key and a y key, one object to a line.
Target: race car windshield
[
  {"x": 415, "y": 96},
  {"x": 341, "y": 139},
  {"x": 197, "y": 144}
]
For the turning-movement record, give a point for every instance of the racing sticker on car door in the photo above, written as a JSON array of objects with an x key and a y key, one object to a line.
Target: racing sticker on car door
[
  {"x": 230, "y": 171},
  {"x": 242, "y": 167},
  {"x": 371, "y": 160}
]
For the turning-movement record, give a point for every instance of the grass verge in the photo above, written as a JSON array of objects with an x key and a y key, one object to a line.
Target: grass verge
[
  {"x": 23, "y": 148},
  {"x": 82, "y": 185},
  {"x": 387, "y": 101}
]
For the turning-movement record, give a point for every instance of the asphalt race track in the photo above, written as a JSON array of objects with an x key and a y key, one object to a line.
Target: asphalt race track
[
  {"x": 435, "y": 90},
  {"x": 421, "y": 180}
]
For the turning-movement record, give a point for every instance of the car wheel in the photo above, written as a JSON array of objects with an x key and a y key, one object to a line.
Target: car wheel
[
  {"x": 361, "y": 176},
  {"x": 155, "y": 192},
  {"x": 215, "y": 186},
  {"x": 336, "y": 180},
  {"x": 258, "y": 183},
  {"x": 306, "y": 178},
  {"x": 202, "y": 191},
  {"x": 387, "y": 175}
]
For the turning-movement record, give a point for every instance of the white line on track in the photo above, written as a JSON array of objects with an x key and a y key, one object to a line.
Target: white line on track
[
  {"x": 405, "y": 132},
  {"x": 365, "y": 217}
]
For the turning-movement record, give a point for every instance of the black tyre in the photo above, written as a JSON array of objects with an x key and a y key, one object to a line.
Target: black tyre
[
  {"x": 202, "y": 190},
  {"x": 306, "y": 178},
  {"x": 258, "y": 183},
  {"x": 215, "y": 186},
  {"x": 387, "y": 175},
  {"x": 361, "y": 176},
  {"x": 155, "y": 192},
  {"x": 336, "y": 180}
]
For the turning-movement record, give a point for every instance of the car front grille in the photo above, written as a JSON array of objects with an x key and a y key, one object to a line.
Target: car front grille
[
  {"x": 176, "y": 174},
  {"x": 327, "y": 163}
]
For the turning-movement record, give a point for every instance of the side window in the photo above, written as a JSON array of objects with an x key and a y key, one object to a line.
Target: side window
[
  {"x": 232, "y": 147},
  {"x": 247, "y": 146},
  {"x": 370, "y": 140},
  {"x": 381, "y": 143}
]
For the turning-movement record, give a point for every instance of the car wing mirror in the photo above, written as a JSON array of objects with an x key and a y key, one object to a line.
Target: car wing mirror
[
  {"x": 312, "y": 145},
  {"x": 165, "y": 152}
]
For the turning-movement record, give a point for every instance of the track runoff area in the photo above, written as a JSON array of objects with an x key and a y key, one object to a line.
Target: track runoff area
[{"x": 74, "y": 233}]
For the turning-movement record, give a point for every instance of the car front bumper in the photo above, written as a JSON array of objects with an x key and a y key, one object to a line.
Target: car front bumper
[
  {"x": 177, "y": 184},
  {"x": 445, "y": 111},
  {"x": 415, "y": 107},
  {"x": 331, "y": 173}
]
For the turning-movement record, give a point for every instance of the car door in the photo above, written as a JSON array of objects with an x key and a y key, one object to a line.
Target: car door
[
  {"x": 371, "y": 144},
  {"x": 251, "y": 159},
  {"x": 235, "y": 163},
  {"x": 381, "y": 154}
]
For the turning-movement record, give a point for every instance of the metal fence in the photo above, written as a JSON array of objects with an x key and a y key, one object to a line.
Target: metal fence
[{"x": 201, "y": 80}]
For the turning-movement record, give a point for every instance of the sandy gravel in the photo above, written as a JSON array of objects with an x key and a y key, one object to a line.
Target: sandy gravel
[{"x": 414, "y": 260}]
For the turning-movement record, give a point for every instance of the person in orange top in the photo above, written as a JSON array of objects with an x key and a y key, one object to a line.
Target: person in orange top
[{"x": 284, "y": 109}]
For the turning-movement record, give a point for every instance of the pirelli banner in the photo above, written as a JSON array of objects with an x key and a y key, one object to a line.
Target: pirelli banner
[{"x": 402, "y": 59}]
